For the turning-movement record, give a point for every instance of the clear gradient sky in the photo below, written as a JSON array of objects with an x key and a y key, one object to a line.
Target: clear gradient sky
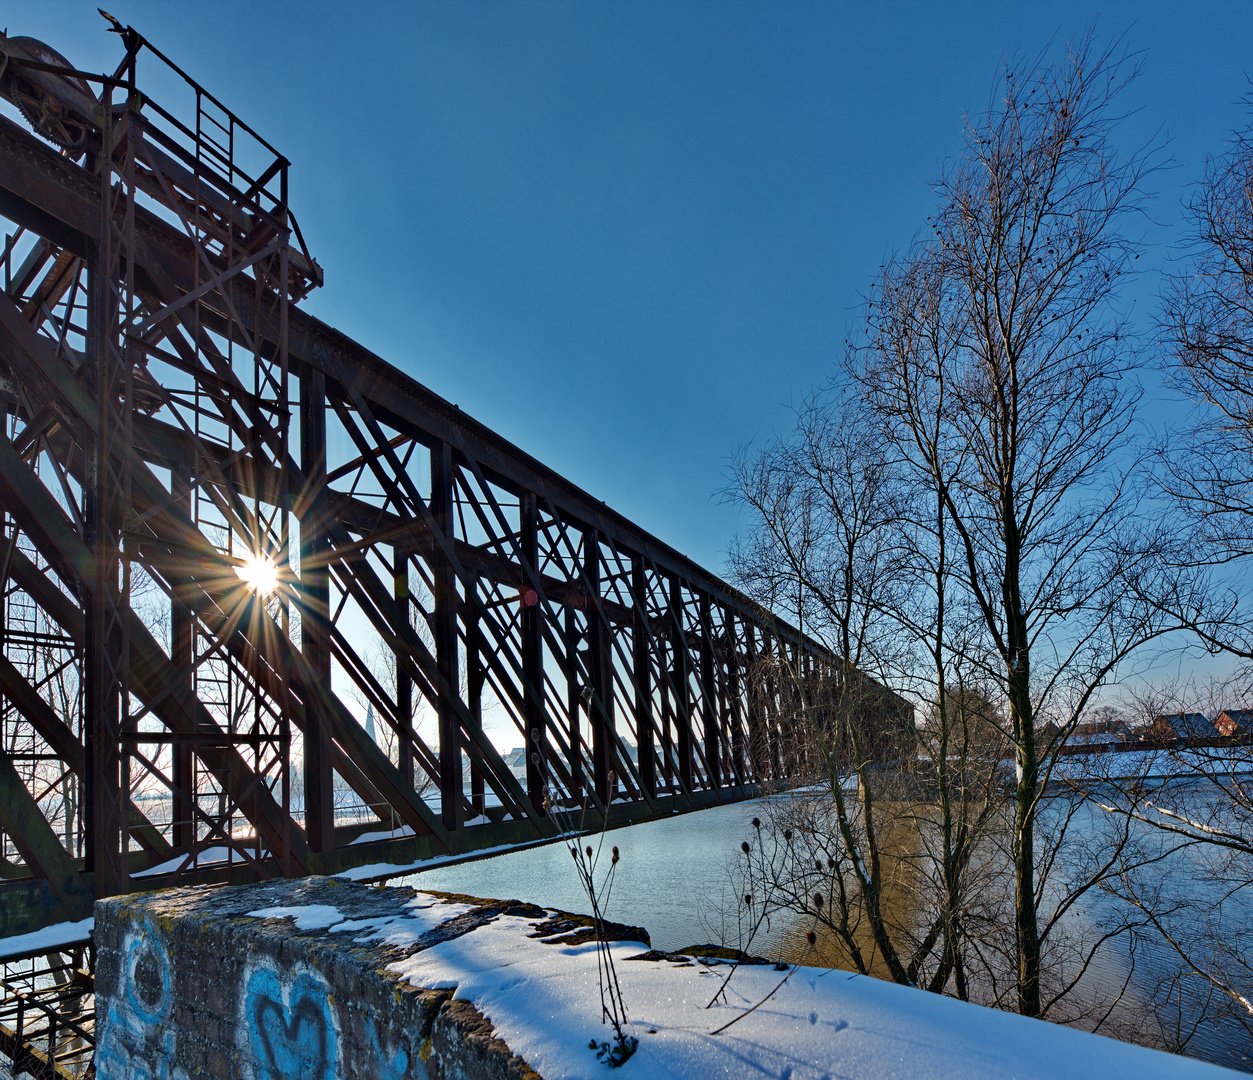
[{"x": 626, "y": 235}]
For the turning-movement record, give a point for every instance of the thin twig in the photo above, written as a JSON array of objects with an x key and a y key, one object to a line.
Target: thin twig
[{"x": 759, "y": 1004}]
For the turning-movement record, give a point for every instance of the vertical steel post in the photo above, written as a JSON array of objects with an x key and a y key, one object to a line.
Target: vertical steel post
[
  {"x": 735, "y": 698},
  {"x": 667, "y": 721},
  {"x": 100, "y": 699},
  {"x": 601, "y": 709},
  {"x": 709, "y": 696},
  {"x": 444, "y": 628},
  {"x": 404, "y": 681},
  {"x": 642, "y": 663},
  {"x": 106, "y": 498},
  {"x": 315, "y": 618},
  {"x": 810, "y": 701},
  {"x": 758, "y": 741},
  {"x": 682, "y": 692},
  {"x": 182, "y": 656},
  {"x": 771, "y": 710},
  {"x": 532, "y": 629},
  {"x": 574, "y": 702},
  {"x": 476, "y": 676}
]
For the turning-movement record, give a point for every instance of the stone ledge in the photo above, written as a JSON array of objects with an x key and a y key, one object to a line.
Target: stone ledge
[{"x": 190, "y": 984}]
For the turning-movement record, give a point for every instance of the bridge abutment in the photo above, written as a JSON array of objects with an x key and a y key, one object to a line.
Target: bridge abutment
[{"x": 192, "y": 983}]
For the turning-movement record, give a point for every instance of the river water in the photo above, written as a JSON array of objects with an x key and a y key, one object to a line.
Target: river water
[
  {"x": 674, "y": 879},
  {"x": 671, "y": 879}
]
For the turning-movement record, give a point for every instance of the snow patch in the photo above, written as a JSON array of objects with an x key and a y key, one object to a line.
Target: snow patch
[
  {"x": 384, "y": 834},
  {"x": 50, "y": 937},
  {"x": 424, "y": 914},
  {"x": 207, "y": 857},
  {"x": 306, "y": 916},
  {"x": 377, "y": 871}
]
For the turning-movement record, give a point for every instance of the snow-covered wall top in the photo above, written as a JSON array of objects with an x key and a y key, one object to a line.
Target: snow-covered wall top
[{"x": 321, "y": 978}]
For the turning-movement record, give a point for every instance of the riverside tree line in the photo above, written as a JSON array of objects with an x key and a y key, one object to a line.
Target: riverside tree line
[{"x": 973, "y": 513}]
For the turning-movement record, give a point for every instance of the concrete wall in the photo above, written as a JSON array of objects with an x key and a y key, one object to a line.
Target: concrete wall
[{"x": 188, "y": 986}]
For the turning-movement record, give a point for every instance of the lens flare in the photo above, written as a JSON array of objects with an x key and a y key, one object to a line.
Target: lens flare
[{"x": 259, "y": 573}]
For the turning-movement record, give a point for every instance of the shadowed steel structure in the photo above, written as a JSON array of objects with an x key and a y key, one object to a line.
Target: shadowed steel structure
[{"x": 260, "y": 588}]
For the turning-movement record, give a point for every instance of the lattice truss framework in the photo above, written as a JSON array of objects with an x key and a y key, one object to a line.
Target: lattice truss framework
[{"x": 173, "y": 424}]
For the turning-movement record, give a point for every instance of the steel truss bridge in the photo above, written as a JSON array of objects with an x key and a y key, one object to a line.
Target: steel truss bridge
[{"x": 260, "y": 588}]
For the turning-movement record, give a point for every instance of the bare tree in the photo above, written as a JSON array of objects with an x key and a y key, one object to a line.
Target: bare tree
[
  {"x": 1207, "y": 320},
  {"x": 1023, "y": 424},
  {"x": 962, "y": 525},
  {"x": 881, "y": 854}
]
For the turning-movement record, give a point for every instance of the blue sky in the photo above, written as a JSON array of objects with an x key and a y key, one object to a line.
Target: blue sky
[{"x": 626, "y": 235}]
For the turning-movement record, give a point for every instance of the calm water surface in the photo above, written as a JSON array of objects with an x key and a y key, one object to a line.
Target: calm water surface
[{"x": 671, "y": 880}]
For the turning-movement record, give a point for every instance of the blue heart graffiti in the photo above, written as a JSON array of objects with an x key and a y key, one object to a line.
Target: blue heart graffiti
[
  {"x": 293, "y": 1039},
  {"x": 390, "y": 1067}
]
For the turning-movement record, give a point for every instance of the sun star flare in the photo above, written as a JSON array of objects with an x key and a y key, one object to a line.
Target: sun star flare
[{"x": 259, "y": 573}]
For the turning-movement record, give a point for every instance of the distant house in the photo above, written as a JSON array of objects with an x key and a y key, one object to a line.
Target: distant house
[
  {"x": 515, "y": 761},
  {"x": 1167, "y": 727},
  {"x": 1046, "y": 732},
  {"x": 1107, "y": 730},
  {"x": 1234, "y": 722}
]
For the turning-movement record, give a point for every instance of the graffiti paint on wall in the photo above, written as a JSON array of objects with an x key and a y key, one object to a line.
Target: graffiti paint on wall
[
  {"x": 288, "y": 1024},
  {"x": 134, "y": 1041},
  {"x": 179, "y": 1002},
  {"x": 390, "y": 1066}
]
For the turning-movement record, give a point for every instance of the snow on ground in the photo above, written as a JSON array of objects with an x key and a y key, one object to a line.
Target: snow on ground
[
  {"x": 543, "y": 1000},
  {"x": 207, "y": 857},
  {"x": 385, "y": 834},
  {"x": 55, "y": 936},
  {"x": 1153, "y": 764}
]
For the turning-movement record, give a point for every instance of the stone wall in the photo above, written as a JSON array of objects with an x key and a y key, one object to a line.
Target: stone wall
[{"x": 189, "y": 985}]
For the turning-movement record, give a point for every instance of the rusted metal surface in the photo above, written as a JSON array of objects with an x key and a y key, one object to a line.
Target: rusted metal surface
[
  {"x": 47, "y": 1016},
  {"x": 175, "y": 428}
]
